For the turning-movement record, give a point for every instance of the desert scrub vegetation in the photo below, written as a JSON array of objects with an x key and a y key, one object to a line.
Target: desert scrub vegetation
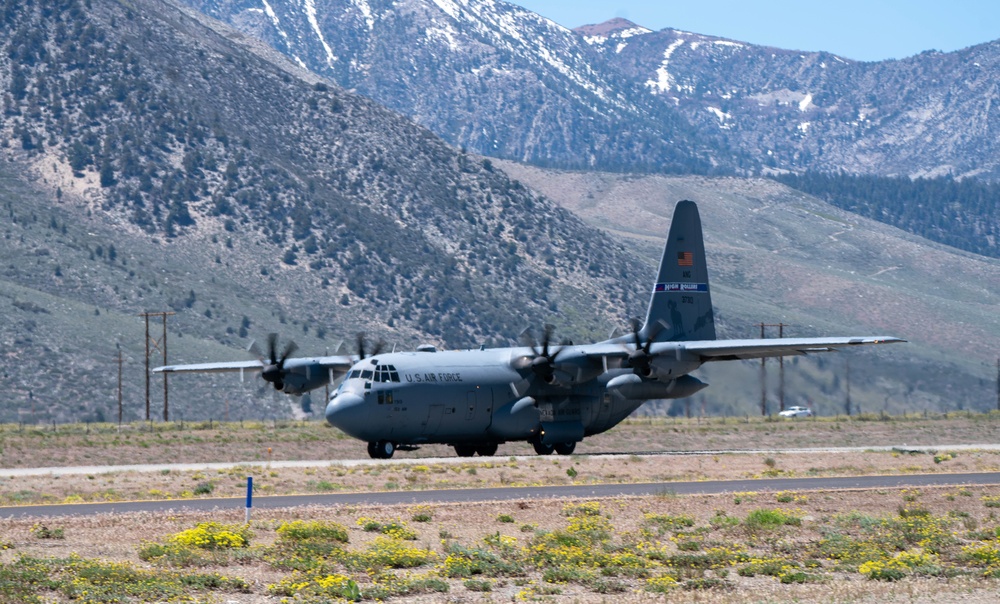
[{"x": 687, "y": 547}]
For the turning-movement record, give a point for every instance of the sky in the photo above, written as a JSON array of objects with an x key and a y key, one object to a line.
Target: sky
[{"x": 864, "y": 30}]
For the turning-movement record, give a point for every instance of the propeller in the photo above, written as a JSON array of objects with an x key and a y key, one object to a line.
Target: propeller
[
  {"x": 273, "y": 369},
  {"x": 379, "y": 346},
  {"x": 640, "y": 359},
  {"x": 543, "y": 361}
]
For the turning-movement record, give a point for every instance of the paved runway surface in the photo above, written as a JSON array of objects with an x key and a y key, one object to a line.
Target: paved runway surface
[{"x": 513, "y": 493}]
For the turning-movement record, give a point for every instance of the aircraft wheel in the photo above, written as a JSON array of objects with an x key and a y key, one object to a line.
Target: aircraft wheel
[
  {"x": 487, "y": 449},
  {"x": 543, "y": 449},
  {"x": 382, "y": 449},
  {"x": 465, "y": 450},
  {"x": 565, "y": 448}
]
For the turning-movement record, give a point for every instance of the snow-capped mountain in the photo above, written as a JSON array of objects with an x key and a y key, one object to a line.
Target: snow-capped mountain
[
  {"x": 927, "y": 115},
  {"x": 500, "y": 80},
  {"x": 485, "y": 75}
]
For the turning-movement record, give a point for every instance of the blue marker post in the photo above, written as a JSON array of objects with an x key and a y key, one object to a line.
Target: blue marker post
[{"x": 249, "y": 496}]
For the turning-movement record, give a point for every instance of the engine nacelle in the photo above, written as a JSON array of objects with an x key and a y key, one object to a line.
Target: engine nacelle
[
  {"x": 304, "y": 378},
  {"x": 631, "y": 386},
  {"x": 666, "y": 368}
]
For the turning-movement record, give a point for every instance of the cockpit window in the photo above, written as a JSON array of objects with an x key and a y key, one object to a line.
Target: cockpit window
[
  {"x": 366, "y": 374},
  {"x": 354, "y": 374},
  {"x": 383, "y": 374}
]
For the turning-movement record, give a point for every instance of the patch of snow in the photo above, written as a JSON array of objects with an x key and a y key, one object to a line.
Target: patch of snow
[
  {"x": 664, "y": 80},
  {"x": 447, "y": 33},
  {"x": 633, "y": 31},
  {"x": 366, "y": 12},
  {"x": 806, "y": 102},
  {"x": 804, "y": 127},
  {"x": 621, "y": 46},
  {"x": 274, "y": 21},
  {"x": 728, "y": 43},
  {"x": 722, "y": 115},
  {"x": 310, "y": 6},
  {"x": 823, "y": 64},
  {"x": 595, "y": 40},
  {"x": 695, "y": 45},
  {"x": 449, "y": 7}
]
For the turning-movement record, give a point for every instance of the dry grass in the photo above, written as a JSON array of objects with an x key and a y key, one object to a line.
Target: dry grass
[
  {"x": 967, "y": 512},
  {"x": 119, "y": 537}
]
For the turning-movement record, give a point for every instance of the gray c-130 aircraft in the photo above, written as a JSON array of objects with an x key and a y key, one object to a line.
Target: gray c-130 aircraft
[{"x": 551, "y": 395}]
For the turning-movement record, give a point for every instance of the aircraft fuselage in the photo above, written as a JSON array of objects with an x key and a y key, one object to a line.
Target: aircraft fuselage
[{"x": 470, "y": 397}]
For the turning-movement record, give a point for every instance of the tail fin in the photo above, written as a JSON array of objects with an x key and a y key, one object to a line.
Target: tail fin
[{"x": 680, "y": 308}]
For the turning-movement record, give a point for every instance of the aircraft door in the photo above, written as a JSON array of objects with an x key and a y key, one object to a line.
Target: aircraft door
[
  {"x": 478, "y": 409},
  {"x": 472, "y": 401},
  {"x": 433, "y": 421}
]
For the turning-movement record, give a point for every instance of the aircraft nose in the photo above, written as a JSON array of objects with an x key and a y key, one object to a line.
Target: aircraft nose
[{"x": 348, "y": 412}]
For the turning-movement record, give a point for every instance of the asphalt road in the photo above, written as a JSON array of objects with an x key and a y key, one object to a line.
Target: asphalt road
[{"x": 511, "y": 493}]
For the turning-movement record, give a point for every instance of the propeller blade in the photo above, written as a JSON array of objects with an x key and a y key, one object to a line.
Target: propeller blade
[
  {"x": 362, "y": 353},
  {"x": 272, "y": 345},
  {"x": 289, "y": 349}
]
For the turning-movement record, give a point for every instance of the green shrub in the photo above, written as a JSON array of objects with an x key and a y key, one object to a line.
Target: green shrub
[{"x": 300, "y": 531}]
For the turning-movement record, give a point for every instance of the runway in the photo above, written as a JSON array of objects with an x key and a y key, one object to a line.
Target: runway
[
  {"x": 511, "y": 493},
  {"x": 402, "y": 459}
]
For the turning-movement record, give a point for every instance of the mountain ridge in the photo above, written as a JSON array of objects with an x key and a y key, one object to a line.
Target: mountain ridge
[{"x": 724, "y": 106}]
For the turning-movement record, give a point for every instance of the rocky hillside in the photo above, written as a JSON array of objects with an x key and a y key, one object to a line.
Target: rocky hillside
[{"x": 158, "y": 162}]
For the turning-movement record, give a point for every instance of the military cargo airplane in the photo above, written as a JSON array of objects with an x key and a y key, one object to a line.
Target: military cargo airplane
[{"x": 551, "y": 395}]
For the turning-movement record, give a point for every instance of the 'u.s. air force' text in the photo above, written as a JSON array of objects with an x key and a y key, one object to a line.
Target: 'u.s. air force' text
[{"x": 432, "y": 377}]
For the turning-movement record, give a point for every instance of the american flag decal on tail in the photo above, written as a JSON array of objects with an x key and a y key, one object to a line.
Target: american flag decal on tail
[{"x": 685, "y": 259}]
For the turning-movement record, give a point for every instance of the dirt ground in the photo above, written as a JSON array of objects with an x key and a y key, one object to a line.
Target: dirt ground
[{"x": 118, "y": 537}]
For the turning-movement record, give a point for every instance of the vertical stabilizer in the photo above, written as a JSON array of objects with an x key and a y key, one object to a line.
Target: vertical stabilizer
[{"x": 680, "y": 308}]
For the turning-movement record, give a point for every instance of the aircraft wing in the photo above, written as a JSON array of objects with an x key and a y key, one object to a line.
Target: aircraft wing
[
  {"x": 729, "y": 350},
  {"x": 211, "y": 367},
  {"x": 291, "y": 376},
  {"x": 339, "y": 364}
]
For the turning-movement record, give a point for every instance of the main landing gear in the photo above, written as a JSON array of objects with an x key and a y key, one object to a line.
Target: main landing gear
[
  {"x": 560, "y": 448},
  {"x": 484, "y": 450},
  {"x": 382, "y": 449}
]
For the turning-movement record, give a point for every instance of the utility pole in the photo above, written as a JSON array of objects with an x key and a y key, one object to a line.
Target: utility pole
[
  {"x": 763, "y": 371},
  {"x": 161, "y": 345},
  {"x": 847, "y": 401},
  {"x": 763, "y": 378},
  {"x": 120, "y": 360},
  {"x": 781, "y": 372}
]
